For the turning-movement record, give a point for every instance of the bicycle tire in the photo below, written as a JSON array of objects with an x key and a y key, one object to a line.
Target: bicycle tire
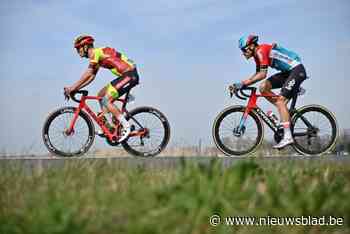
[
  {"x": 220, "y": 143},
  {"x": 48, "y": 141},
  {"x": 299, "y": 141},
  {"x": 128, "y": 144}
]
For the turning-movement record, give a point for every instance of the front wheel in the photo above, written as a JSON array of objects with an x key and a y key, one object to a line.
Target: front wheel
[
  {"x": 156, "y": 130},
  {"x": 225, "y": 133},
  {"x": 58, "y": 142},
  {"x": 315, "y": 130}
]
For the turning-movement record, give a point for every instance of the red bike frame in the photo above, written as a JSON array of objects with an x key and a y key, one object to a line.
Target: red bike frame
[
  {"x": 253, "y": 97},
  {"x": 111, "y": 136}
]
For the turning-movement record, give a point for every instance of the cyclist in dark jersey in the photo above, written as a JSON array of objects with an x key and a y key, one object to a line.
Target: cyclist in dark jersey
[
  {"x": 292, "y": 74},
  {"x": 118, "y": 64}
]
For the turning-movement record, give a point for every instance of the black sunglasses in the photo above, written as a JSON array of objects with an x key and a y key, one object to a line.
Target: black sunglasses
[{"x": 245, "y": 49}]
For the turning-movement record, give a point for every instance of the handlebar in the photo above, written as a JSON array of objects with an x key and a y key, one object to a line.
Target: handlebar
[
  {"x": 82, "y": 92},
  {"x": 241, "y": 94}
]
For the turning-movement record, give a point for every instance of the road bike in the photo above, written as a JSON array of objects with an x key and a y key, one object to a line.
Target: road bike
[
  {"x": 70, "y": 131},
  {"x": 239, "y": 130}
]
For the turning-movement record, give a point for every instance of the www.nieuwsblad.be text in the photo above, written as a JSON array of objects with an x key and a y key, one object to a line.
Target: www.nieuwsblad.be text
[{"x": 216, "y": 220}]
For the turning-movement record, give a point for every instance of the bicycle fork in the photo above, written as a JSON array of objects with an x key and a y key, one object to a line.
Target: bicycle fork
[
  {"x": 240, "y": 129},
  {"x": 70, "y": 129}
]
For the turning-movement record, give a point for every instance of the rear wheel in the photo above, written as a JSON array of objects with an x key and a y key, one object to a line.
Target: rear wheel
[
  {"x": 58, "y": 142},
  {"x": 224, "y": 132},
  {"x": 315, "y": 130},
  {"x": 156, "y": 128}
]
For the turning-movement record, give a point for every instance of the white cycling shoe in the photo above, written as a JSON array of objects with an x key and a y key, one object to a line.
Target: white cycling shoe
[
  {"x": 283, "y": 143},
  {"x": 124, "y": 134}
]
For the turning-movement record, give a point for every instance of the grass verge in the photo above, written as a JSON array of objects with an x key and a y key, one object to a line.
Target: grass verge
[{"x": 85, "y": 197}]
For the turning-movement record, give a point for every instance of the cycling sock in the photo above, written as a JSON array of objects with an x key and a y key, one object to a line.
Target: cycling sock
[
  {"x": 287, "y": 132},
  {"x": 123, "y": 121}
]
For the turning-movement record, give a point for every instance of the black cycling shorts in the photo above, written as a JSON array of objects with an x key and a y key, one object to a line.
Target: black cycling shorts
[
  {"x": 131, "y": 84},
  {"x": 289, "y": 81}
]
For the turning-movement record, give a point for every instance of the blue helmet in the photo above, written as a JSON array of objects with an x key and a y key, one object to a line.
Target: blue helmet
[{"x": 247, "y": 40}]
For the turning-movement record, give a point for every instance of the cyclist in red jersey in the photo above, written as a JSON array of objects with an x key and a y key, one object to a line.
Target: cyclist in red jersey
[
  {"x": 292, "y": 74},
  {"x": 118, "y": 64}
]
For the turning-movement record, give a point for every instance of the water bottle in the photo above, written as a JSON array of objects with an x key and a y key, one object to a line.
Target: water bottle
[{"x": 272, "y": 117}]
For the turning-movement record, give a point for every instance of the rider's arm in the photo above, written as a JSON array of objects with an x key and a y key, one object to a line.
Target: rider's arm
[
  {"x": 262, "y": 63},
  {"x": 260, "y": 75},
  {"x": 87, "y": 77}
]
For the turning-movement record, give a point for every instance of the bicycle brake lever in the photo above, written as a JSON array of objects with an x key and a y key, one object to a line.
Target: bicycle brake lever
[
  {"x": 231, "y": 94},
  {"x": 231, "y": 90},
  {"x": 66, "y": 96}
]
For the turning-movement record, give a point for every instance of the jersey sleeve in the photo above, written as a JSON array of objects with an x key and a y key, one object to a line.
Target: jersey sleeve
[
  {"x": 94, "y": 62},
  {"x": 262, "y": 59},
  {"x": 97, "y": 56}
]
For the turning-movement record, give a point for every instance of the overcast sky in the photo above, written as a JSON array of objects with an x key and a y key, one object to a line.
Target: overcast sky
[{"x": 186, "y": 51}]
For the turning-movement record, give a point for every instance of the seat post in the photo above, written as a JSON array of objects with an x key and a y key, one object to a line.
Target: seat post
[
  {"x": 127, "y": 94},
  {"x": 126, "y": 99},
  {"x": 293, "y": 103}
]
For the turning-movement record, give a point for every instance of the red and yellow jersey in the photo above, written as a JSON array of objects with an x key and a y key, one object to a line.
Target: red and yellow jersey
[{"x": 111, "y": 59}]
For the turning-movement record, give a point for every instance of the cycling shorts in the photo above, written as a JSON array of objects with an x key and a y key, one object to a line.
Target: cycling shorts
[
  {"x": 289, "y": 81},
  {"x": 113, "y": 92}
]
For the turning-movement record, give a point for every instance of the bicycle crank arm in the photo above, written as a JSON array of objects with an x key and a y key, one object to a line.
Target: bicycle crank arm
[
  {"x": 309, "y": 133},
  {"x": 142, "y": 133}
]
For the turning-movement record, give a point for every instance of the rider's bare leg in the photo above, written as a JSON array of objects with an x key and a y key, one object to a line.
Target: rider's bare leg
[
  {"x": 285, "y": 122},
  {"x": 282, "y": 108},
  {"x": 101, "y": 94},
  {"x": 265, "y": 88},
  {"x": 281, "y": 103},
  {"x": 118, "y": 114},
  {"x": 112, "y": 108}
]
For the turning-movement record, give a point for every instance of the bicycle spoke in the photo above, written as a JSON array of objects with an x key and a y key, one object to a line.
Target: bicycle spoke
[
  {"x": 230, "y": 123},
  {"x": 68, "y": 144},
  {"x": 319, "y": 137},
  {"x": 226, "y": 132},
  {"x": 157, "y": 132}
]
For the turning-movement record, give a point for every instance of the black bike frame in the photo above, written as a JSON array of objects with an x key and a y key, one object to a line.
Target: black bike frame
[{"x": 264, "y": 117}]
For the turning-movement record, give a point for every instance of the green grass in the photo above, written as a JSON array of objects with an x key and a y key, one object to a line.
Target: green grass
[{"x": 96, "y": 197}]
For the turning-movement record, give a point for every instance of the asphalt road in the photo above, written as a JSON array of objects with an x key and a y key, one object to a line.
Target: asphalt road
[{"x": 156, "y": 162}]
